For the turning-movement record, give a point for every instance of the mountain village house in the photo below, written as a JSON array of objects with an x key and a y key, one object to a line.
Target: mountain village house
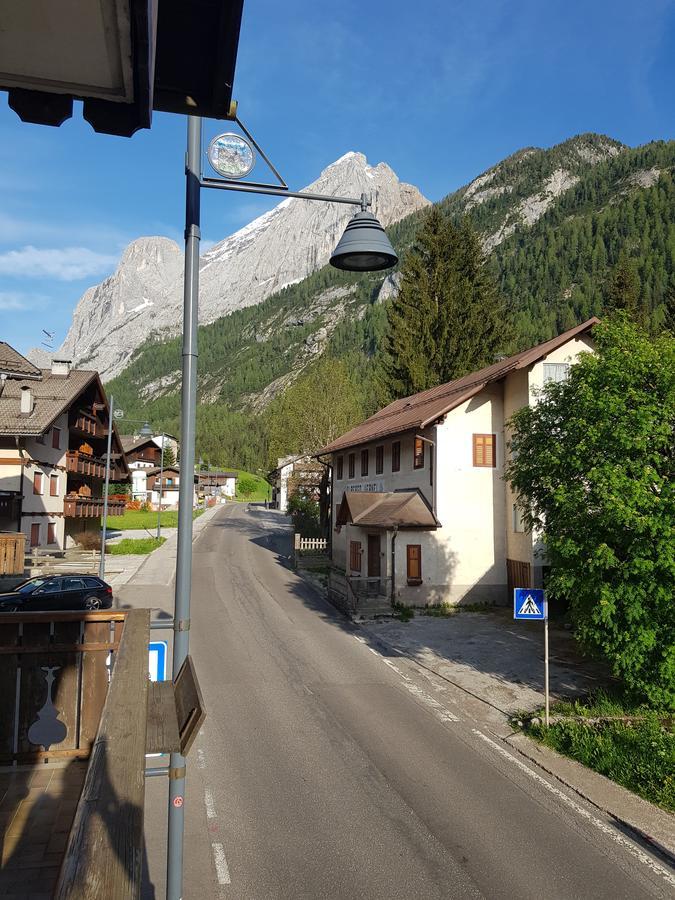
[
  {"x": 53, "y": 441},
  {"x": 143, "y": 456},
  {"x": 422, "y": 514},
  {"x": 295, "y": 474}
]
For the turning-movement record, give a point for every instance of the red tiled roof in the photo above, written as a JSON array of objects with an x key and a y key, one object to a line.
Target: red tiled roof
[
  {"x": 420, "y": 410},
  {"x": 404, "y": 509}
]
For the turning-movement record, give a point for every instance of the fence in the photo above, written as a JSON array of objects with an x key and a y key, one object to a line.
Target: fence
[
  {"x": 310, "y": 545},
  {"x": 12, "y": 550},
  {"x": 362, "y": 588}
]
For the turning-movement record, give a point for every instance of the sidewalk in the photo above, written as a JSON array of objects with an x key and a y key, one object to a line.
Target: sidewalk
[{"x": 494, "y": 668}]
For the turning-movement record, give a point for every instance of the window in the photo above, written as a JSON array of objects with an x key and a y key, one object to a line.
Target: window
[
  {"x": 93, "y": 583},
  {"x": 73, "y": 584},
  {"x": 35, "y": 535},
  {"x": 379, "y": 460},
  {"x": 418, "y": 459},
  {"x": 556, "y": 372},
  {"x": 355, "y": 556},
  {"x": 37, "y": 483},
  {"x": 396, "y": 456},
  {"x": 518, "y": 524},
  {"x": 51, "y": 533},
  {"x": 364, "y": 462},
  {"x": 352, "y": 464},
  {"x": 484, "y": 450},
  {"x": 340, "y": 467},
  {"x": 53, "y": 486},
  {"x": 56, "y": 438},
  {"x": 414, "y": 563}
]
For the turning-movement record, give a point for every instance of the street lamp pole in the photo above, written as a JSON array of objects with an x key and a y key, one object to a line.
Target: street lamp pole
[
  {"x": 364, "y": 247},
  {"x": 101, "y": 562},
  {"x": 161, "y": 480},
  {"x": 181, "y": 619}
]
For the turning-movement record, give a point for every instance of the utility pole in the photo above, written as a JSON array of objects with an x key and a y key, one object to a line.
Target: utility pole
[
  {"x": 161, "y": 482},
  {"x": 101, "y": 563}
]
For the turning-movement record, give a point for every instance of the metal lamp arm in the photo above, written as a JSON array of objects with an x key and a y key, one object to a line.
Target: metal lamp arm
[{"x": 249, "y": 187}]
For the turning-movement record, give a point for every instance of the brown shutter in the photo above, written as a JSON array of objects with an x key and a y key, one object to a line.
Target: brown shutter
[
  {"x": 379, "y": 460},
  {"x": 35, "y": 534},
  {"x": 414, "y": 563},
  {"x": 364, "y": 462},
  {"x": 355, "y": 556},
  {"x": 56, "y": 438},
  {"x": 396, "y": 456},
  {"x": 418, "y": 460},
  {"x": 53, "y": 486},
  {"x": 51, "y": 533},
  {"x": 484, "y": 450},
  {"x": 37, "y": 483}
]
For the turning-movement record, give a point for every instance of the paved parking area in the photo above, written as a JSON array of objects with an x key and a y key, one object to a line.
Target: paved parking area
[{"x": 493, "y": 657}]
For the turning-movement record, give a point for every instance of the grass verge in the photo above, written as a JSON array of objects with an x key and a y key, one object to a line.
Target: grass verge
[
  {"x": 640, "y": 755},
  {"x": 135, "y": 546},
  {"x": 140, "y": 518}
]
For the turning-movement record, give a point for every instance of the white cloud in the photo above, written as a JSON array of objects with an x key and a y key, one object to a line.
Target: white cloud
[
  {"x": 17, "y": 301},
  {"x": 64, "y": 264}
]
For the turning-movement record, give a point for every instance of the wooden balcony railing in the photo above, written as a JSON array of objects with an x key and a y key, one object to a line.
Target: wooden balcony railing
[
  {"x": 83, "y": 464},
  {"x": 75, "y": 506},
  {"x": 85, "y": 423}
]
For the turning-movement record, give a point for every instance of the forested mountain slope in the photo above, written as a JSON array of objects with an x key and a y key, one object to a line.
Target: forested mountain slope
[{"x": 553, "y": 223}]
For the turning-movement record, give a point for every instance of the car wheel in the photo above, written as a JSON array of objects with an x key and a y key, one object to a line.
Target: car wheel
[{"x": 92, "y": 603}]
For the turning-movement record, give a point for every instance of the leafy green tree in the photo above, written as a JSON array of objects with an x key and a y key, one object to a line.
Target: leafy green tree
[
  {"x": 447, "y": 318},
  {"x": 595, "y": 473},
  {"x": 321, "y": 405}
]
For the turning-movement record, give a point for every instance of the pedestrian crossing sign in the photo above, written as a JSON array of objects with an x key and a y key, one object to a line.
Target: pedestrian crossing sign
[{"x": 529, "y": 603}]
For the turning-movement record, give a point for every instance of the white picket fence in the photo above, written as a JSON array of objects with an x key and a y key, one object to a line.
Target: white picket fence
[{"x": 310, "y": 545}]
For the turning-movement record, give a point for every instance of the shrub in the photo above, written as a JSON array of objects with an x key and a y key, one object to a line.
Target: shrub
[
  {"x": 305, "y": 515},
  {"x": 88, "y": 540}
]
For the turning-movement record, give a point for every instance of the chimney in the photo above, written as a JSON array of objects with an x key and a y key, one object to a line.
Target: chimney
[
  {"x": 26, "y": 401},
  {"x": 61, "y": 367}
]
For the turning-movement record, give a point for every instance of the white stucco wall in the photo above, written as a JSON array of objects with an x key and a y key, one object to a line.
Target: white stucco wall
[{"x": 44, "y": 509}]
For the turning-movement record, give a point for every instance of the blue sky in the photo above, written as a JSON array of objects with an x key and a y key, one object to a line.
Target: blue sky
[{"x": 440, "y": 90}]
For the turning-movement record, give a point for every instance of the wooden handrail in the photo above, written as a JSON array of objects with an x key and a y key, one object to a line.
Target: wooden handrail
[{"x": 104, "y": 853}]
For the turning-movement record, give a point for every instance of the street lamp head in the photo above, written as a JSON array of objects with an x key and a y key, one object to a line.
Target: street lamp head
[
  {"x": 146, "y": 430},
  {"x": 364, "y": 247}
]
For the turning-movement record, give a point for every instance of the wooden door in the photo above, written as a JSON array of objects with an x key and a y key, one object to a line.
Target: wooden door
[{"x": 374, "y": 564}]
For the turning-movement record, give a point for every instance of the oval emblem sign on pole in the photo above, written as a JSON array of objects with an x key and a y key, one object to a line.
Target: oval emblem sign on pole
[{"x": 231, "y": 155}]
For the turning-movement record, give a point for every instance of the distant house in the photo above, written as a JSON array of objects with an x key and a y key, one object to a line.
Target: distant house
[
  {"x": 295, "y": 474},
  {"x": 214, "y": 483},
  {"x": 143, "y": 454},
  {"x": 53, "y": 441},
  {"x": 421, "y": 512}
]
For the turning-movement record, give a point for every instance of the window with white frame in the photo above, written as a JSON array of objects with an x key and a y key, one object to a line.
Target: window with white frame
[{"x": 556, "y": 372}]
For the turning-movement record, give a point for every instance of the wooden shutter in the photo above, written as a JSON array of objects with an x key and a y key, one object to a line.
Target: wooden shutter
[
  {"x": 51, "y": 533},
  {"x": 484, "y": 450},
  {"x": 35, "y": 534},
  {"x": 355, "y": 556},
  {"x": 37, "y": 483},
  {"x": 53, "y": 485},
  {"x": 340, "y": 466},
  {"x": 418, "y": 460},
  {"x": 396, "y": 456},
  {"x": 414, "y": 563},
  {"x": 379, "y": 460},
  {"x": 56, "y": 438}
]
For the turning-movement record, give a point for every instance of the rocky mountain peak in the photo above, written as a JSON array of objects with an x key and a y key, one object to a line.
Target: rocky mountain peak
[{"x": 143, "y": 297}]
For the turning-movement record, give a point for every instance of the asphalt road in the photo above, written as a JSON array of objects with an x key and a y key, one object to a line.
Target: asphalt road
[{"x": 327, "y": 770}]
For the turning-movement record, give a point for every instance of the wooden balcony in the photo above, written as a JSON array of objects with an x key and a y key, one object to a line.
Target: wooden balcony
[
  {"x": 87, "y": 424},
  {"x": 75, "y": 506},
  {"x": 83, "y": 464}
]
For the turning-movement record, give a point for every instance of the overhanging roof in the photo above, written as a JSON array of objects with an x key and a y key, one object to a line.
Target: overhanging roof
[
  {"x": 423, "y": 409},
  {"x": 123, "y": 58},
  {"x": 400, "y": 509}
]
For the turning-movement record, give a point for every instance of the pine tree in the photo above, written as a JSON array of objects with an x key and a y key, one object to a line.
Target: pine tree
[
  {"x": 624, "y": 290},
  {"x": 448, "y": 317}
]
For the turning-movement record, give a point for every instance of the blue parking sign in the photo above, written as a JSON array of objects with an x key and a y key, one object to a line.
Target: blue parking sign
[
  {"x": 529, "y": 603},
  {"x": 157, "y": 660}
]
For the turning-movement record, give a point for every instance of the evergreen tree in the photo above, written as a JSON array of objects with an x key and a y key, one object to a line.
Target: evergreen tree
[
  {"x": 448, "y": 317},
  {"x": 624, "y": 290}
]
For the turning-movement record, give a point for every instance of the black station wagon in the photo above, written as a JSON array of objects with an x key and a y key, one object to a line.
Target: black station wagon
[{"x": 58, "y": 592}]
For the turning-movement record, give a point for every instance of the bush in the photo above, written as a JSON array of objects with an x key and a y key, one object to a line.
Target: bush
[
  {"x": 88, "y": 540},
  {"x": 305, "y": 515}
]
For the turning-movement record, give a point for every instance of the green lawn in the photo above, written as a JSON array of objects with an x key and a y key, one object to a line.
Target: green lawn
[
  {"x": 133, "y": 546},
  {"x": 260, "y": 489},
  {"x": 639, "y": 755},
  {"x": 138, "y": 518}
]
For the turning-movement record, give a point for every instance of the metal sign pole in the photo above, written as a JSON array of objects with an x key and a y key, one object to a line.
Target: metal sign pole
[
  {"x": 161, "y": 481},
  {"x": 546, "y": 693},
  {"x": 101, "y": 564}
]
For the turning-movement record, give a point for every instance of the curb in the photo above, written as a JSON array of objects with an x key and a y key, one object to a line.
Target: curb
[{"x": 652, "y": 824}]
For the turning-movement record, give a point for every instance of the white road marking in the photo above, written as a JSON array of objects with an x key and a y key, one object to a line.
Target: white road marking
[
  {"x": 616, "y": 836},
  {"x": 201, "y": 758},
  {"x": 210, "y": 804},
  {"x": 222, "y": 871}
]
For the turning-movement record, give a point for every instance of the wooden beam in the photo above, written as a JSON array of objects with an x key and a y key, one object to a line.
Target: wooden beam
[
  {"x": 162, "y": 728},
  {"x": 105, "y": 847}
]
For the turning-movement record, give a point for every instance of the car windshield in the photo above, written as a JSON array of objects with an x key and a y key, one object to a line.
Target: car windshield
[{"x": 32, "y": 585}]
